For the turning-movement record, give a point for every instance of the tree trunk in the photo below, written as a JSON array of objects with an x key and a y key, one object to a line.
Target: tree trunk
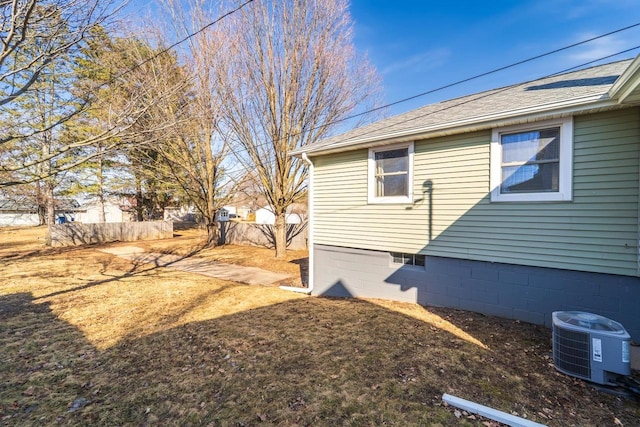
[
  {"x": 51, "y": 209},
  {"x": 102, "y": 218},
  {"x": 213, "y": 233},
  {"x": 280, "y": 234},
  {"x": 139, "y": 200},
  {"x": 41, "y": 204},
  {"x": 42, "y": 214}
]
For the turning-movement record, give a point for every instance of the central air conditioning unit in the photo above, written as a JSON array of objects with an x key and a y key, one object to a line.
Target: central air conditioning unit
[{"x": 590, "y": 347}]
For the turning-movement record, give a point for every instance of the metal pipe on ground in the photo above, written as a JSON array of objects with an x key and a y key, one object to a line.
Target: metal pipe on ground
[{"x": 485, "y": 411}]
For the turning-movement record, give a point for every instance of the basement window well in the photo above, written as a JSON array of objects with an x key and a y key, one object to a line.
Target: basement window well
[{"x": 399, "y": 258}]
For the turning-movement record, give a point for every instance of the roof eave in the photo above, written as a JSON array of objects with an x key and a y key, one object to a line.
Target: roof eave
[
  {"x": 626, "y": 89},
  {"x": 540, "y": 112}
]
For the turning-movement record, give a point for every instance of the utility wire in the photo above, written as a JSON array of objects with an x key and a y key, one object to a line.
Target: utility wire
[
  {"x": 400, "y": 101},
  {"x": 182, "y": 40},
  {"x": 459, "y": 82},
  {"x": 477, "y": 76},
  {"x": 464, "y": 100},
  {"x": 492, "y": 92},
  {"x": 371, "y": 110}
]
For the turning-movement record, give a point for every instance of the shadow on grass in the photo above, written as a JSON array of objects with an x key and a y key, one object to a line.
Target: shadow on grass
[
  {"x": 15, "y": 244},
  {"x": 45, "y": 251},
  {"x": 46, "y": 363},
  {"x": 138, "y": 268},
  {"x": 307, "y": 361}
]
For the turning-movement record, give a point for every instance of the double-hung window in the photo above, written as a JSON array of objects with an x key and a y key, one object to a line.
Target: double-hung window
[
  {"x": 391, "y": 174},
  {"x": 532, "y": 162}
]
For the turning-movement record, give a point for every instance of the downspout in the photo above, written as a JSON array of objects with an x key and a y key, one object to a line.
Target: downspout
[{"x": 309, "y": 287}]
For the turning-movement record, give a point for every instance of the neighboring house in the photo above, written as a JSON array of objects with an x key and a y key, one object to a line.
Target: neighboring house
[
  {"x": 13, "y": 213},
  {"x": 266, "y": 216},
  {"x": 18, "y": 214},
  {"x": 115, "y": 210},
  {"x": 514, "y": 202}
]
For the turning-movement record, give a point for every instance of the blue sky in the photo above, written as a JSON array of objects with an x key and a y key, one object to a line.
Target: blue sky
[{"x": 418, "y": 46}]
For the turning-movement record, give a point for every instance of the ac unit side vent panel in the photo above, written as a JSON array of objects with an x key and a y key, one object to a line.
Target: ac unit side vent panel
[{"x": 571, "y": 352}]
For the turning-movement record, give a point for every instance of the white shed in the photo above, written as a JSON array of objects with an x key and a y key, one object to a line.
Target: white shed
[
  {"x": 113, "y": 211},
  {"x": 266, "y": 216}
]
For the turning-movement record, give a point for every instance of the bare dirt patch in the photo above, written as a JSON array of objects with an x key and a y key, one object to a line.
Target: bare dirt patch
[{"x": 87, "y": 338}]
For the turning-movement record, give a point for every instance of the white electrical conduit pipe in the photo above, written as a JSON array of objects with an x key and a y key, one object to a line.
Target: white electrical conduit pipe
[
  {"x": 309, "y": 287},
  {"x": 485, "y": 411}
]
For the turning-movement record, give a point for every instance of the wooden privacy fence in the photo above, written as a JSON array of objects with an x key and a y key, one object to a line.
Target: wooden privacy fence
[
  {"x": 74, "y": 233},
  {"x": 239, "y": 233}
]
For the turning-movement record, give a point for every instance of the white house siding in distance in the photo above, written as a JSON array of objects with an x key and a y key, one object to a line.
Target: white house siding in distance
[
  {"x": 91, "y": 215},
  {"x": 266, "y": 216},
  {"x": 15, "y": 219}
]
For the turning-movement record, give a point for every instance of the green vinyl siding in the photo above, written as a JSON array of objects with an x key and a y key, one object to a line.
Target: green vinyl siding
[{"x": 452, "y": 214}]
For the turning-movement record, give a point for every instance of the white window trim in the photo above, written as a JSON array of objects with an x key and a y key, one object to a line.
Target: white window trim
[
  {"x": 565, "y": 184},
  {"x": 413, "y": 265},
  {"x": 373, "y": 199}
]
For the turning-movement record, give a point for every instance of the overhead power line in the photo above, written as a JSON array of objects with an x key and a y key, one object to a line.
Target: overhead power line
[
  {"x": 495, "y": 70},
  {"x": 477, "y": 76},
  {"x": 494, "y": 92},
  {"x": 464, "y": 101},
  {"x": 182, "y": 40},
  {"x": 409, "y": 98}
]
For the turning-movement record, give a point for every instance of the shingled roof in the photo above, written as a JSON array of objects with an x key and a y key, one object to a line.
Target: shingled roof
[{"x": 586, "y": 90}]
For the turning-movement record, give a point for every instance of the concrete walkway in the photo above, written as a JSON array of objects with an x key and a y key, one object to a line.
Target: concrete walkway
[{"x": 219, "y": 270}]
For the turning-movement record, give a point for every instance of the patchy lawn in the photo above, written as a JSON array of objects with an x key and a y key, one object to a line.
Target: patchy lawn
[{"x": 87, "y": 338}]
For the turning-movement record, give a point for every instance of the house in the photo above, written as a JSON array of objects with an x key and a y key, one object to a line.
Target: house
[
  {"x": 14, "y": 213},
  {"x": 513, "y": 202},
  {"x": 25, "y": 213},
  {"x": 243, "y": 212},
  {"x": 229, "y": 212}
]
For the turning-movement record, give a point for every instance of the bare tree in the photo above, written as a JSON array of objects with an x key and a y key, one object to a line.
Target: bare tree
[
  {"x": 35, "y": 111},
  {"x": 290, "y": 71},
  {"x": 36, "y": 34},
  {"x": 194, "y": 154},
  {"x": 38, "y": 37},
  {"x": 31, "y": 30}
]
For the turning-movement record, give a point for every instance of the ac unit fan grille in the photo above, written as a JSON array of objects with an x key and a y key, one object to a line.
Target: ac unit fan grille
[{"x": 571, "y": 352}]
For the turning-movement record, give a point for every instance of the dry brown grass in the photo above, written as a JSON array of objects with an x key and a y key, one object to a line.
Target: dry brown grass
[
  {"x": 137, "y": 345},
  {"x": 191, "y": 241}
]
